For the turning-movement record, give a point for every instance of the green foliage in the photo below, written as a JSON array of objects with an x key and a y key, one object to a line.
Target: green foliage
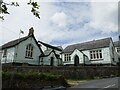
[
  {"x": 34, "y": 76},
  {"x": 4, "y": 9},
  {"x": 35, "y": 8},
  {"x": 34, "y": 79},
  {"x": 15, "y": 4},
  {"x": 5, "y": 75},
  {"x": 31, "y": 76}
]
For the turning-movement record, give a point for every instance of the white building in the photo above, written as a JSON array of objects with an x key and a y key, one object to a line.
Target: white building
[
  {"x": 27, "y": 51},
  {"x": 117, "y": 48},
  {"x": 51, "y": 54},
  {"x": 96, "y": 52}
]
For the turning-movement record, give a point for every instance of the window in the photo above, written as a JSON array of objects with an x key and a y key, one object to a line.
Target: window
[
  {"x": 118, "y": 50},
  {"x": 67, "y": 57},
  {"x": 96, "y": 54},
  {"x": 29, "y": 51},
  {"x": 5, "y": 53}
]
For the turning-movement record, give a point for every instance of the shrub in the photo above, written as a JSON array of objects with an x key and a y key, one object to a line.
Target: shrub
[{"x": 34, "y": 77}]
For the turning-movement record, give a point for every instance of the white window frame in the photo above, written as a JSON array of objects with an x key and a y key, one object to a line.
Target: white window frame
[
  {"x": 118, "y": 49},
  {"x": 96, "y": 54},
  {"x": 29, "y": 51},
  {"x": 5, "y": 53},
  {"x": 67, "y": 57}
]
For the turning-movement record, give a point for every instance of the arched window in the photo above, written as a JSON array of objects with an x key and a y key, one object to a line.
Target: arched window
[{"x": 29, "y": 51}]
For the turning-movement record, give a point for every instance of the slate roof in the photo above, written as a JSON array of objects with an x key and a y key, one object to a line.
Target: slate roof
[
  {"x": 117, "y": 44},
  {"x": 47, "y": 52},
  {"x": 60, "y": 47},
  {"x": 14, "y": 42},
  {"x": 50, "y": 46},
  {"x": 101, "y": 43}
]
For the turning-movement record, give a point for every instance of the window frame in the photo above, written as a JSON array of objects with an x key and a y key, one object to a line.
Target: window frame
[
  {"x": 67, "y": 57},
  {"x": 96, "y": 54},
  {"x": 5, "y": 53},
  {"x": 29, "y": 51},
  {"x": 118, "y": 50}
]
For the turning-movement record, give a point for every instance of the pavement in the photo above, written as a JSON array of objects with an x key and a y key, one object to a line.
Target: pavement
[{"x": 101, "y": 84}]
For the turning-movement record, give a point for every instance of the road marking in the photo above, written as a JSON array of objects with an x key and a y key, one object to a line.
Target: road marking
[{"x": 107, "y": 87}]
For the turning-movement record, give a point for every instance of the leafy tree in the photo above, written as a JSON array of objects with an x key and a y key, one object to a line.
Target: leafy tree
[{"x": 4, "y": 8}]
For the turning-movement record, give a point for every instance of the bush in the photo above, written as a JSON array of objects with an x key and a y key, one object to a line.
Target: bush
[
  {"x": 33, "y": 79},
  {"x": 31, "y": 76}
]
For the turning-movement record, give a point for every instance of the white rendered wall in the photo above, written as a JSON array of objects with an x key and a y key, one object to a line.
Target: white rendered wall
[
  {"x": 10, "y": 55},
  {"x": 21, "y": 50},
  {"x": 46, "y": 60}
]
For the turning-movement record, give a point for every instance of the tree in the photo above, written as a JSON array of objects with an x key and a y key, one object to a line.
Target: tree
[{"x": 4, "y": 8}]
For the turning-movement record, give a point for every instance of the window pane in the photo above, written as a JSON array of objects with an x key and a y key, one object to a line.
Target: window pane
[
  {"x": 29, "y": 50},
  {"x": 118, "y": 49},
  {"x": 67, "y": 57},
  {"x": 100, "y": 55},
  {"x": 31, "y": 54},
  {"x": 91, "y": 56},
  {"x": 5, "y": 53},
  {"x": 96, "y": 54}
]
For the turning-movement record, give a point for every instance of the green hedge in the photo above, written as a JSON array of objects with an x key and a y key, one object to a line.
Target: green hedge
[{"x": 33, "y": 77}]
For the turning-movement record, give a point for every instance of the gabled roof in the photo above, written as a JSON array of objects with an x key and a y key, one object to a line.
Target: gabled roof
[
  {"x": 17, "y": 41},
  {"x": 50, "y": 46},
  {"x": 101, "y": 43},
  {"x": 79, "y": 51},
  {"x": 48, "y": 52},
  {"x": 117, "y": 44},
  {"x": 60, "y": 47},
  {"x": 14, "y": 42}
]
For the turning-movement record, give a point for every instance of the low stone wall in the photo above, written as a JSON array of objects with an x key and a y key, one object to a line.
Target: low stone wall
[{"x": 70, "y": 72}]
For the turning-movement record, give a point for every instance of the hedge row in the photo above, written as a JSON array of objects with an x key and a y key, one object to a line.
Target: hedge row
[{"x": 31, "y": 79}]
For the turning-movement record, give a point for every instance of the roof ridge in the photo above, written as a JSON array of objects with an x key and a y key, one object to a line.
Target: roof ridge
[
  {"x": 51, "y": 46},
  {"x": 116, "y": 43},
  {"x": 17, "y": 39},
  {"x": 89, "y": 41},
  {"x": 99, "y": 43},
  {"x": 13, "y": 42}
]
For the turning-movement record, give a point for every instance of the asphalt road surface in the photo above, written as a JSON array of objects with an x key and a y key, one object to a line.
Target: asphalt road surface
[{"x": 101, "y": 84}]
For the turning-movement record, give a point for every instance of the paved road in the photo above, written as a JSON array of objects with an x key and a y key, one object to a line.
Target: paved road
[{"x": 102, "y": 84}]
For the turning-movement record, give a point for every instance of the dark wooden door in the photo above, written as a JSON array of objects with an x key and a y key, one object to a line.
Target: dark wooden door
[
  {"x": 76, "y": 60},
  {"x": 51, "y": 61}
]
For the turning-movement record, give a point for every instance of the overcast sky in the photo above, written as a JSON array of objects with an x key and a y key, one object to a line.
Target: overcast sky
[{"x": 63, "y": 23}]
